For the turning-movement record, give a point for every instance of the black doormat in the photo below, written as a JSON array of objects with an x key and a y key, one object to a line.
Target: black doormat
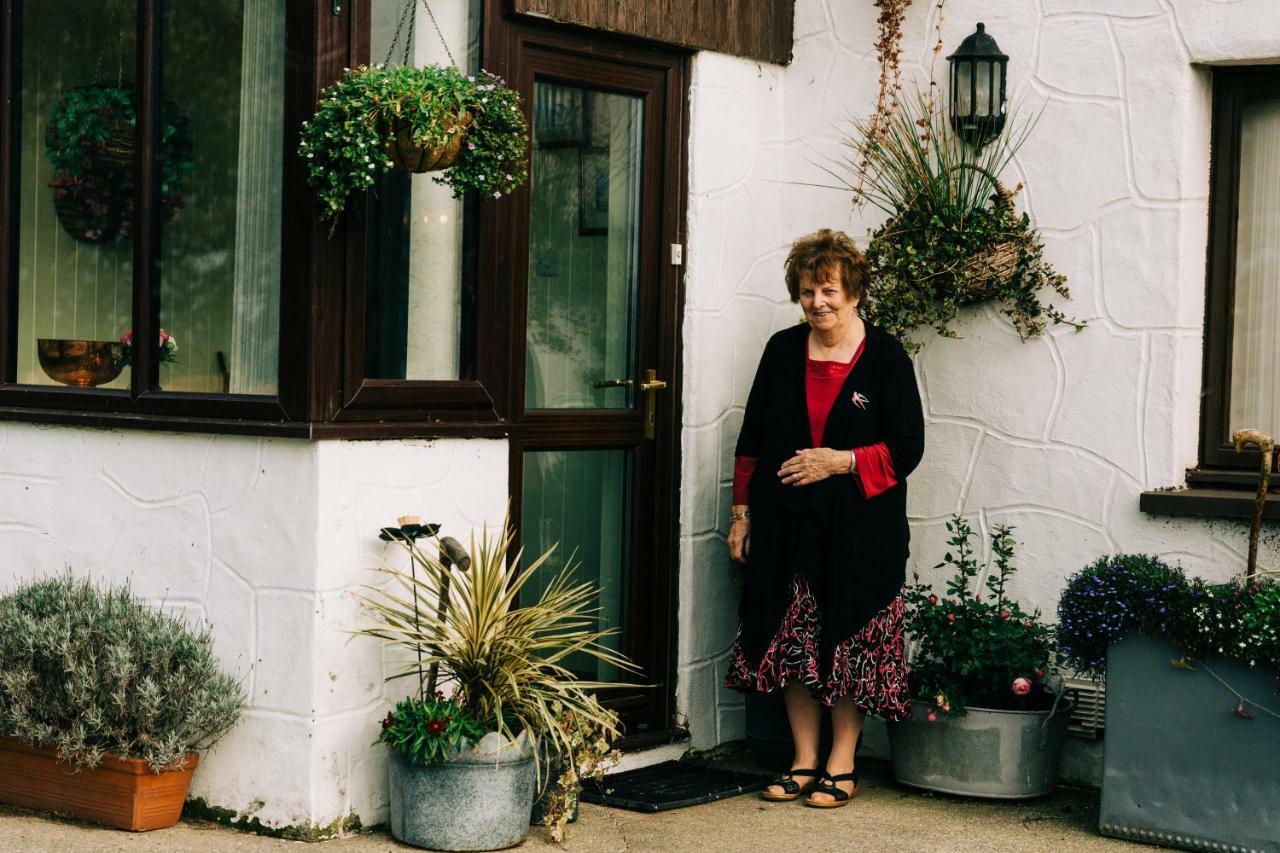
[{"x": 672, "y": 785}]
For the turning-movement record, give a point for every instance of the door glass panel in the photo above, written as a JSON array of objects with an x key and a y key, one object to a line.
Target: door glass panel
[
  {"x": 583, "y": 248},
  {"x": 579, "y": 499}
]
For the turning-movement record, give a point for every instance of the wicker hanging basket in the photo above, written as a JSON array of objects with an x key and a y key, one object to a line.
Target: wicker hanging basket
[
  {"x": 117, "y": 148},
  {"x": 82, "y": 223},
  {"x": 408, "y": 156},
  {"x": 985, "y": 270}
]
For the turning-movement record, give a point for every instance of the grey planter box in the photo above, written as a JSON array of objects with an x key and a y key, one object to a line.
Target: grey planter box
[
  {"x": 981, "y": 753},
  {"x": 1180, "y": 769}
]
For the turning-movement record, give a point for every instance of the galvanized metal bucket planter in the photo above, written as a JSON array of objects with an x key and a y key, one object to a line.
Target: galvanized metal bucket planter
[
  {"x": 981, "y": 753},
  {"x": 1179, "y": 768},
  {"x": 478, "y": 801}
]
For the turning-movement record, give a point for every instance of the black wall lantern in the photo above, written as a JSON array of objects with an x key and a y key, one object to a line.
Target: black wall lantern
[{"x": 977, "y": 88}]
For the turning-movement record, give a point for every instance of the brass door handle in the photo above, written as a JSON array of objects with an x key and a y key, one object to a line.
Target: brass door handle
[{"x": 651, "y": 384}]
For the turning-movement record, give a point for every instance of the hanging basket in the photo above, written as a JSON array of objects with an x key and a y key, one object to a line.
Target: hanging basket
[
  {"x": 984, "y": 271},
  {"x": 117, "y": 148},
  {"x": 83, "y": 223},
  {"x": 408, "y": 156}
]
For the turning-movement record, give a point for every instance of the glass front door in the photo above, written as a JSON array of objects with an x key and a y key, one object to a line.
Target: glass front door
[{"x": 594, "y": 428}]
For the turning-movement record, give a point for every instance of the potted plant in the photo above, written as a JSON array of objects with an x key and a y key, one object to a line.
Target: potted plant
[
  {"x": 985, "y": 721},
  {"x": 434, "y": 118},
  {"x": 90, "y": 141},
  {"x": 457, "y": 616},
  {"x": 104, "y": 703},
  {"x": 952, "y": 237},
  {"x": 1194, "y": 668}
]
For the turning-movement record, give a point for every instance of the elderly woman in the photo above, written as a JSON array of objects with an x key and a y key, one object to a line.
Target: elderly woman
[{"x": 832, "y": 428}]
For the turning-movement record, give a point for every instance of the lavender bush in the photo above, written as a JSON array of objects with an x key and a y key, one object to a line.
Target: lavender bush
[{"x": 94, "y": 671}]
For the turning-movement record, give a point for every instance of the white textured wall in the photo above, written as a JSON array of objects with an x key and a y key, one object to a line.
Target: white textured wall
[
  {"x": 1057, "y": 436},
  {"x": 267, "y": 539}
]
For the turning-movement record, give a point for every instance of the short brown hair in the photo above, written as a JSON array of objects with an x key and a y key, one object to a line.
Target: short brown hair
[{"x": 819, "y": 255}]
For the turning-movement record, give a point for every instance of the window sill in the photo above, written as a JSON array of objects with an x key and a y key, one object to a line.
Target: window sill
[
  {"x": 243, "y": 426},
  {"x": 1212, "y": 503}
]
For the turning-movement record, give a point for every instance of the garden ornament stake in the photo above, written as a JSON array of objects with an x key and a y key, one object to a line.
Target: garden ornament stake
[
  {"x": 1243, "y": 438},
  {"x": 452, "y": 554}
]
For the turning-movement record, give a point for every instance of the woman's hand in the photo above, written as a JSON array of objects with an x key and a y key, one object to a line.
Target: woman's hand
[
  {"x": 813, "y": 465},
  {"x": 739, "y": 540}
]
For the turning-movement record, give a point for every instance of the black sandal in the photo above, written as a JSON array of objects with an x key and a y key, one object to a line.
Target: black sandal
[
  {"x": 826, "y": 785},
  {"x": 791, "y": 789}
]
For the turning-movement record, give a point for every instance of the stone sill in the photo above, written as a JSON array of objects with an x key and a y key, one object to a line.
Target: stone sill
[{"x": 1213, "y": 503}]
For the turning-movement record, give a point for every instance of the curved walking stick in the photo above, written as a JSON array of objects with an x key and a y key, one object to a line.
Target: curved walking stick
[{"x": 1242, "y": 438}]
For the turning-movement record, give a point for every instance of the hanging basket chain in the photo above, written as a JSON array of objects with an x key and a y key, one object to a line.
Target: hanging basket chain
[
  {"x": 436, "y": 24},
  {"x": 405, "y": 15},
  {"x": 409, "y": 15}
]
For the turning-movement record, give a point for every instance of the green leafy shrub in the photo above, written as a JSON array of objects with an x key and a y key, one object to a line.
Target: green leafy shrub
[
  {"x": 344, "y": 144},
  {"x": 95, "y": 671},
  {"x": 429, "y": 731},
  {"x": 1126, "y": 593},
  {"x": 952, "y": 237},
  {"x": 975, "y": 648}
]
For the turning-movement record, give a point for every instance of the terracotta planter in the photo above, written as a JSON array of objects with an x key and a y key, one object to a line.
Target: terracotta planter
[{"x": 120, "y": 792}]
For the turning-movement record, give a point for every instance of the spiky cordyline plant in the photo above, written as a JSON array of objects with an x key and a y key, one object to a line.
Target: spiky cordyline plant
[{"x": 506, "y": 662}]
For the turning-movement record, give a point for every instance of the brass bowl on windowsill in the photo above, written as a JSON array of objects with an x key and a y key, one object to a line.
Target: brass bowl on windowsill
[{"x": 80, "y": 363}]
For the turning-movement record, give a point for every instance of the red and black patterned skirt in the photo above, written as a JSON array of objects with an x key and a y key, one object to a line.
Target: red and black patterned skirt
[{"x": 870, "y": 667}]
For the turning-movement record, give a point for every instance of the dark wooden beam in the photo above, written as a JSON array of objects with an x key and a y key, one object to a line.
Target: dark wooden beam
[{"x": 757, "y": 29}]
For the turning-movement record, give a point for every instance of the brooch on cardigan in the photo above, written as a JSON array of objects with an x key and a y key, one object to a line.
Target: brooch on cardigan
[{"x": 859, "y": 400}]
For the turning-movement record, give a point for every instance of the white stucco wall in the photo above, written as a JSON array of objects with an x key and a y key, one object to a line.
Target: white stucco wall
[
  {"x": 267, "y": 539},
  {"x": 1057, "y": 436}
]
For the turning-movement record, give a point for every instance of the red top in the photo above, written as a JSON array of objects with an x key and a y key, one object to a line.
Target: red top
[{"x": 822, "y": 383}]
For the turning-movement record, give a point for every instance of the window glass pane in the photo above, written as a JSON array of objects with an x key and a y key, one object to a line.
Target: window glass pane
[
  {"x": 1255, "y": 356},
  {"x": 415, "y": 267},
  {"x": 580, "y": 499},
  {"x": 222, "y": 88},
  {"x": 75, "y": 191},
  {"x": 584, "y": 248}
]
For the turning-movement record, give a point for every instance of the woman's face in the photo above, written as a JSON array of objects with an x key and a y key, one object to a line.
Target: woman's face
[{"x": 825, "y": 303}]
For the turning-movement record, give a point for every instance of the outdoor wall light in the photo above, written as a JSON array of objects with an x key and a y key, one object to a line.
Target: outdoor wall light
[{"x": 978, "y": 71}]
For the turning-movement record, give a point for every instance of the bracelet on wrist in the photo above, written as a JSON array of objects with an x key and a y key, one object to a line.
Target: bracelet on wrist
[{"x": 745, "y": 515}]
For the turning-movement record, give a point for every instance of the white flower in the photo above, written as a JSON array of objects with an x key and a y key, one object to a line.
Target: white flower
[{"x": 497, "y": 194}]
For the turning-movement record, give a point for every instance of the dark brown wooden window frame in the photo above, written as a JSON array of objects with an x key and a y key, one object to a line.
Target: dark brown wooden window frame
[
  {"x": 1233, "y": 89},
  {"x": 1224, "y": 483},
  {"x": 322, "y": 392}
]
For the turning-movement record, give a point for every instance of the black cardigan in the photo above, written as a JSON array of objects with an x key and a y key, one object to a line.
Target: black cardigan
[{"x": 853, "y": 550}]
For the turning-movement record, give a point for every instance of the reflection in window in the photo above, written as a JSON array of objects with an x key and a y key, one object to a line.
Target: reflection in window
[
  {"x": 583, "y": 248},
  {"x": 415, "y": 250},
  {"x": 1255, "y": 358},
  {"x": 219, "y": 166},
  {"x": 220, "y": 256},
  {"x": 75, "y": 189}
]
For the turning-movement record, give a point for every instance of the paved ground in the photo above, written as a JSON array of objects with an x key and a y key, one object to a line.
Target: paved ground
[{"x": 884, "y": 819}]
